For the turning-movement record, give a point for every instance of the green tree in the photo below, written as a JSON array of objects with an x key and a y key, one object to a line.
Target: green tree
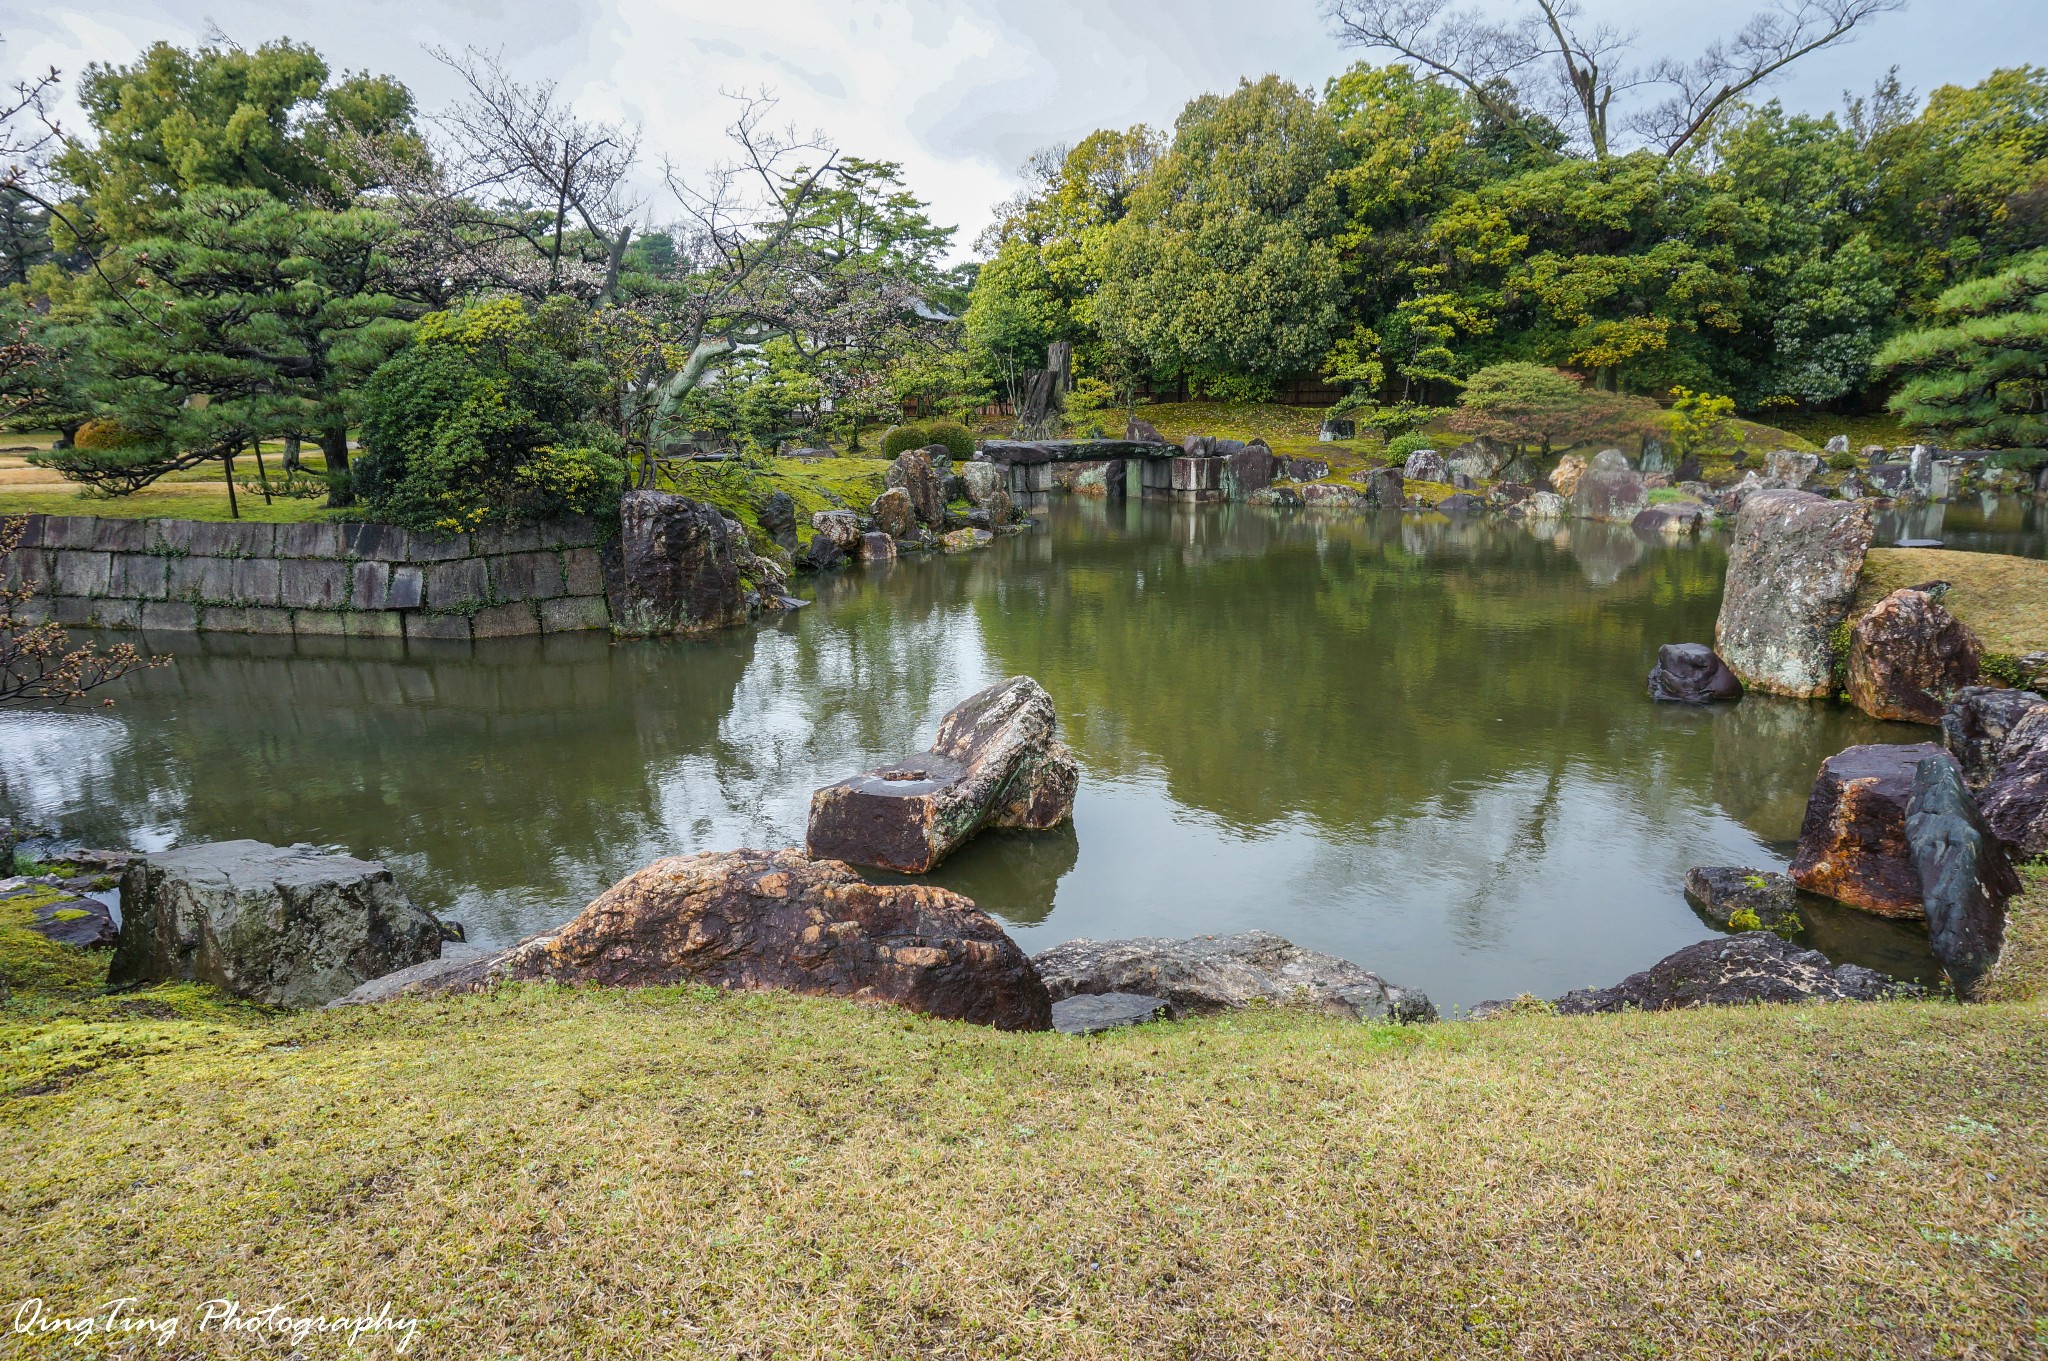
[
  {"x": 1980, "y": 373},
  {"x": 483, "y": 419},
  {"x": 223, "y": 118},
  {"x": 1525, "y": 403},
  {"x": 1226, "y": 269}
]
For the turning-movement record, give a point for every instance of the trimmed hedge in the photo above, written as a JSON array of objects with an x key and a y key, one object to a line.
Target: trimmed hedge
[{"x": 957, "y": 438}]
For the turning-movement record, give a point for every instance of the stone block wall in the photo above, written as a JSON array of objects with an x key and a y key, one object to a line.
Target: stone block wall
[{"x": 325, "y": 579}]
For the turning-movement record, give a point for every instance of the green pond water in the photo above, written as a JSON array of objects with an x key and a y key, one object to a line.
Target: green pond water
[{"x": 1419, "y": 743}]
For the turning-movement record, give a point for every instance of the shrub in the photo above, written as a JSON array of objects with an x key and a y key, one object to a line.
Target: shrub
[
  {"x": 480, "y": 421},
  {"x": 105, "y": 434},
  {"x": 1842, "y": 462},
  {"x": 1400, "y": 446},
  {"x": 959, "y": 441}
]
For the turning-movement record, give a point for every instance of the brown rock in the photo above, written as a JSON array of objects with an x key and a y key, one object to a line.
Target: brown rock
[
  {"x": 1564, "y": 478},
  {"x": 775, "y": 919},
  {"x": 913, "y": 474},
  {"x": 1142, "y": 432},
  {"x": 1852, "y": 844},
  {"x": 2015, "y": 804},
  {"x": 996, "y": 762},
  {"x": 1908, "y": 656},
  {"x": 677, "y": 568},
  {"x": 895, "y": 514}
]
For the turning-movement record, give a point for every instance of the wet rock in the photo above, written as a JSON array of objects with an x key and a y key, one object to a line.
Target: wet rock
[
  {"x": 2015, "y": 804},
  {"x": 1737, "y": 898},
  {"x": 1677, "y": 519},
  {"x": 1690, "y": 673},
  {"x": 778, "y": 520},
  {"x": 1791, "y": 468},
  {"x": 1482, "y": 458},
  {"x": 1615, "y": 495},
  {"x": 1383, "y": 487},
  {"x": 895, "y": 514},
  {"x": 283, "y": 925},
  {"x": 875, "y": 546},
  {"x": 997, "y": 762},
  {"x": 912, "y": 474},
  {"x": 842, "y": 527},
  {"x": 1307, "y": 469},
  {"x": 775, "y": 919},
  {"x": 1756, "y": 966},
  {"x": 81, "y": 923},
  {"x": 1546, "y": 505},
  {"x": 677, "y": 568},
  {"x": 1093, "y": 1013},
  {"x": 1564, "y": 478},
  {"x": 1852, "y": 843},
  {"x": 965, "y": 540},
  {"x": 1984, "y": 726},
  {"x": 1250, "y": 469},
  {"x": 1792, "y": 573},
  {"x": 1142, "y": 432},
  {"x": 821, "y": 554},
  {"x": 1907, "y": 656},
  {"x": 1463, "y": 503},
  {"x": 1965, "y": 876},
  {"x": 1219, "y": 973},
  {"x": 1426, "y": 465}
]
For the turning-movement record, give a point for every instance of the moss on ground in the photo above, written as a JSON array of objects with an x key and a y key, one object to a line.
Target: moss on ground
[
  {"x": 2003, "y": 598},
  {"x": 739, "y": 488},
  {"x": 2022, "y": 970},
  {"x": 628, "y": 1173}
]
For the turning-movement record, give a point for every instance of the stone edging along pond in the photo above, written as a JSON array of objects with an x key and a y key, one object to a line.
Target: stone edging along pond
[{"x": 318, "y": 579}]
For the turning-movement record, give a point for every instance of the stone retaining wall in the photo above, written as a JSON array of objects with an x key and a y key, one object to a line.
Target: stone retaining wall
[{"x": 324, "y": 579}]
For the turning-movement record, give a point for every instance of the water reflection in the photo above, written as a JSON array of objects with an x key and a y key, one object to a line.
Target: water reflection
[
  {"x": 1983, "y": 523},
  {"x": 1417, "y": 742}
]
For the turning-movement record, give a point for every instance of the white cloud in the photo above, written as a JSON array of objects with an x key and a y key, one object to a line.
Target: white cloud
[{"x": 960, "y": 91}]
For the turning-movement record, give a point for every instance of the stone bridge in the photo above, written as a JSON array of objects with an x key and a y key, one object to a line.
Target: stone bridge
[{"x": 1203, "y": 468}]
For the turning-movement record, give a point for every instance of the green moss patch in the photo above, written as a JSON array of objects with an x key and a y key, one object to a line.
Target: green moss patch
[{"x": 2004, "y": 598}]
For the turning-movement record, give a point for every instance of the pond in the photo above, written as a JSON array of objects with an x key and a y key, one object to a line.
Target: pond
[
  {"x": 1418, "y": 743},
  {"x": 1984, "y": 523}
]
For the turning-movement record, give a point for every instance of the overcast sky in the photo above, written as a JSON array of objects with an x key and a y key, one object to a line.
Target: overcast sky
[{"x": 959, "y": 91}]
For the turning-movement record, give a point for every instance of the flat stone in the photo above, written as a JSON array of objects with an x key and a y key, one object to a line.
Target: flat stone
[
  {"x": 1092, "y": 1013},
  {"x": 311, "y": 539},
  {"x": 505, "y": 621},
  {"x": 254, "y": 581},
  {"x": 1722, "y": 893},
  {"x": 455, "y": 958},
  {"x": 1208, "y": 974},
  {"x": 85, "y": 573},
  {"x": 526, "y": 576},
  {"x": 205, "y": 580},
  {"x": 81, "y": 923},
  {"x": 370, "y": 586},
  {"x": 312, "y": 584},
  {"x": 137, "y": 576},
  {"x": 456, "y": 585},
  {"x": 169, "y": 616},
  {"x": 573, "y": 614},
  {"x": 1755, "y": 966}
]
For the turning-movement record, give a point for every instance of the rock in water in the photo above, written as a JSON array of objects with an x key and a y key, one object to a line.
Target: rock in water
[
  {"x": 1965, "y": 877},
  {"x": 677, "y": 569},
  {"x": 913, "y": 474},
  {"x": 1984, "y": 726},
  {"x": 1676, "y": 519},
  {"x": 1090, "y": 1014},
  {"x": 1908, "y": 655},
  {"x": 1762, "y": 899},
  {"x": 1463, "y": 503},
  {"x": 1691, "y": 673},
  {"x": 81, "y": 923},
  {"x": 984, "y": 482},
  {"x": 2015, "y": 804},
  {"x": 775, "y": 919},
  {"x": 842, "y": 527},
  {"x": 1426, "y": 465},
  {"x": 1384, "y": 487},
  {"x": 283, "y": 925},
  {"x": 1546, "y": 505},
  {"x": 875, "y": 546},
  {"x": 894, "y": 513},
  {"x": 1755, "y": 966},
  {"x": 1792, "y": 573},
  {"x": 997, "y": 762},
  {"x": 1219, "y": 973},
  {"x": 1852, "y": 843}
]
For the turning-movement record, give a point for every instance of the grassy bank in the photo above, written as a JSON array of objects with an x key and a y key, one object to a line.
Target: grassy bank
[
  {"x": 540, "y": 1173},
  {"x": 2004, "y": 598}
]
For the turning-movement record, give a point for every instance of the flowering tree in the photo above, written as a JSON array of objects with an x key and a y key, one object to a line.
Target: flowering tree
[{"x": 37, "y": 662}]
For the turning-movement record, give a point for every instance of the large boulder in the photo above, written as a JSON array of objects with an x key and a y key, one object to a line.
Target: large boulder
[
  {"x": 282, "y": 925},
  {"x": 1482, "y": 458},
  {"x": 875, "y": 546},
  {"x": 778, "y": 519},
  {"x": 1546, "y": 505},
  {"x": 984, "y": 481},
  {"x": 2015, "y": 804},
  {"x": 1737, "y": 898},
  {"x": 1792, "y": 573},
  {"x": 777, "y": 919},
  {"x": 1221, "y": 973},
  {"x": 1615, "y": 495},
  {"x": 1564, "y": 478},
  {"x": 678, "y": 568},
  {"x": 1852, "y": 843},
  {"x": 1426, "y": 465},
  {"x": 1908, "y": 655},
  {"x": 1965, "y": 877},
  {"x": 1690, "y": 673},
  {"x": 1610, "y": 461},
  {"x": 1756, "y": 966},
  {"x": 1384, "y": 487},
  {"x": 997, "y": 762},
  {"x": 1142, "y": 432},
  {"x": 1790, "y": 467},
  {"x": 895, "y": 514},
  {"x": 912, "y": 474},
  {"x": 1984, "y": 726},
  {"x": 842, "y": 527}
]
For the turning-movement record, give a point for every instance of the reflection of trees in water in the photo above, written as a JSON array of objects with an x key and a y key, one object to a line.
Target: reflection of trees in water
[{"x": 1767, "y": 751}]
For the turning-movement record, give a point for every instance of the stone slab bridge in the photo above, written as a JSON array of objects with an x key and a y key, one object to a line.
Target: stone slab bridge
[{"x": 1203, "y": 468}]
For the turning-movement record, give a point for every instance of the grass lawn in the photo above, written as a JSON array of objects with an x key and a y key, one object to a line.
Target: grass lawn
[
  {"x": 543, "y": 1173},
  {"x": 195, "y": 494},
  {"x": 2004, "y": 598}
]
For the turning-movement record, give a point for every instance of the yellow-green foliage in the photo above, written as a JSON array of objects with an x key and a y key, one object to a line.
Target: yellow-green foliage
[
  {"x": 599, "y": 1174},
  {"x": 738, "y": 489},
  {"x": 30, "y": 963}
]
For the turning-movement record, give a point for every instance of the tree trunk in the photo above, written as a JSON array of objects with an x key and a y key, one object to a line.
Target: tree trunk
[
  {"x": 615, "y": 260},
  {"x": 334, "y": 444},
  {"x": 291, "y": 454},
  {"x": 262, "y": 473},
  {"x": 228, "y": 467}
]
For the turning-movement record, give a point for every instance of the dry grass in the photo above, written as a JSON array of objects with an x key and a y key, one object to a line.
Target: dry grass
[
  {"x": 595, "y": 1174},
  {"x": 196, "y": 494},
  {"x": 2022, "y": 970},
  {"x": 2004, "y": 598}
]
